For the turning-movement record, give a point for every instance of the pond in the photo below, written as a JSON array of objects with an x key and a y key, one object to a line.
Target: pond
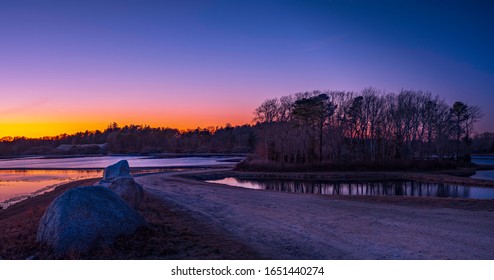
[
  {"x": 104, "y": 161},
  {"x": 387, "y": 188},
  {"x": 26, "y": 177},
  {"x": 17, "y": 185},
  {"x": 478, "y": 159},
  {"x": 483, "y": 174}
]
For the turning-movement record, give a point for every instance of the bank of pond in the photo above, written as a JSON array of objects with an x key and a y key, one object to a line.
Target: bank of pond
[
  {"x": 377, "y": 184},
  {"x": 384, "y": 187},
  {"x": 22, "y": 178}
]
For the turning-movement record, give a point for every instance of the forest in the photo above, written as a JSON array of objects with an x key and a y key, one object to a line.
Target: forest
[
  {"x": 136, "y": 139},
  {"x": 366, "y": 126},
  {"x": 305, "y": 128}
]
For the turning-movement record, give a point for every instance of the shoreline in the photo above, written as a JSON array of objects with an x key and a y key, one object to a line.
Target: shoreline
[
  {"x": 103, "y": 168},
  {"x": 144, "y": 155},
  {"x": 193, "y": 237},
  {"x": 135, "y": 172},
  {"x": 284, "y": 225},
  {"x": 345, "y": 176},
  {"x": 19, "y": 222},
  {"x": 211, "y": 173},
  {"x": 171, "y": 234}
]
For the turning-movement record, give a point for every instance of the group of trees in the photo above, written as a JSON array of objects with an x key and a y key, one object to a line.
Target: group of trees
[
  {"x": 483, "y": 143},
  {"x": 138, "y": 139},
  {"x": 369, "y": 125},
  {"x": 303, "y": 128}
]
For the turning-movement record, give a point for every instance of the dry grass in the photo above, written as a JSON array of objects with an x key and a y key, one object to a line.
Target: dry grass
[
  {"x": 19, "y": 224},
  {"x": 173, "y": 235},
  {"x": 170, "y": 234}
]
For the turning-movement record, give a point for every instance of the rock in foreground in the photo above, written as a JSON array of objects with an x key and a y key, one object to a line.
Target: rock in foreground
[
  {"x": 129, "y": 190},
  {"x": 119, "y": 169},
  {"x": 86, "y": 217}
]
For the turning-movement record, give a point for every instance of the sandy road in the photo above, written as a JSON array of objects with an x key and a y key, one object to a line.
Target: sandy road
[{"x": 296, "y": 226}]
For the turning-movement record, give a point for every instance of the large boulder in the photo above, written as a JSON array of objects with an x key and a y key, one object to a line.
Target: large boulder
[
  {"x": 117, "y": 170},
  {"x": 84, "y": 218},
  {"x": 129, "y": 190}
]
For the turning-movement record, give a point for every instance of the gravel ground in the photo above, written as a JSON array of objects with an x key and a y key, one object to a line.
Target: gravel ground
[{"x": 296, "y": 226}]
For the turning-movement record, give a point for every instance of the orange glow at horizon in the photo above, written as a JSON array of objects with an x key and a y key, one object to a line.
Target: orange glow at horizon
[
  {"x": 69, "y": 110},
  {"x": 73, "y": 123}
]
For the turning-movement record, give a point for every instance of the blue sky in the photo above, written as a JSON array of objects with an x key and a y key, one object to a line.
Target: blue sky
[{"x": 199, "y": 63}]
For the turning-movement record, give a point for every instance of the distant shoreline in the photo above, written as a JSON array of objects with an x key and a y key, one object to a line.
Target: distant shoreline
[
  {"x": 102, "y": 168},
  {"x": 146, "y": 155}
]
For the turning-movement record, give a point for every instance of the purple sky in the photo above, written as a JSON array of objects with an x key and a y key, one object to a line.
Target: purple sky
[{"x": 74, "y": 65}]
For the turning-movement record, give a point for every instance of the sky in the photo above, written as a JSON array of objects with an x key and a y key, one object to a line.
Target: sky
[{"x": 68, "y": 66}]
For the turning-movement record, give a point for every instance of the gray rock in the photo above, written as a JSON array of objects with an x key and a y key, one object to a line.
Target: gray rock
[
  {"x": 129, "y": 190},
  {"x": 84, "y": 218},
  {"x": 119, "y": 169}
]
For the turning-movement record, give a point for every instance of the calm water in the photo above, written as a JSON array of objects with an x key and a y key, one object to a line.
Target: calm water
[
  {"x": 18, "y": 181},
  {"x": 484, "y": 174},
  {"x": 17, "y": 185},
  {"x": 483, "y": 159},
  {"x": 391, "y": 188},
  {"x": 104, "y": 161}
]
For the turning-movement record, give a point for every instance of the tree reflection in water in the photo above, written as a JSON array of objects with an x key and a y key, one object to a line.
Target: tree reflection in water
[{"x": 382, "y": 188}]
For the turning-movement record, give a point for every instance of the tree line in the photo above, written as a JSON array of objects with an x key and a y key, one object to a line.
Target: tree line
[
  {"x": 137, "y": 139},
  {"x": 299, "y": 129},
  {"x": 370, "y": 125}
]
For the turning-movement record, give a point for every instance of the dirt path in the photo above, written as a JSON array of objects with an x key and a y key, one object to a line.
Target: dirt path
[{"x": 296, "y": 226}]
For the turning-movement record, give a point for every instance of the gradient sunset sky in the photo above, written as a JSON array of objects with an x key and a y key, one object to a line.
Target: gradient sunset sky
[{"x": 68, "y": 66}]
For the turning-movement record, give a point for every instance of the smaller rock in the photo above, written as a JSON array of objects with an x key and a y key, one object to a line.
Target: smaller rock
[
  {"x": 119, "y": 169},
  {"x": 129, "y": 190}
]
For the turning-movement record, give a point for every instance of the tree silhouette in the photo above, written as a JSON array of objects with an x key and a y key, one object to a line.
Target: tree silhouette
[
  {"x": 459, "y": 113},
  {"x": 313, "y": 112}
]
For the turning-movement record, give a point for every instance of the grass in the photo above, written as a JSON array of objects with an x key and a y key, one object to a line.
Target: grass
[{"x": 172, "y": 234}]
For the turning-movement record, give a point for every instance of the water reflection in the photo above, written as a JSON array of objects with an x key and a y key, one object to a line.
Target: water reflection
[
  {"x": 483, "y": 174},
  {"x": 391, "y": 188},
  {"x": 483, "y": 159},
  {"x": 104, "y": 161},
  {"x": 17, "y": 185},
  {"x": 21, "y": 178}
]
